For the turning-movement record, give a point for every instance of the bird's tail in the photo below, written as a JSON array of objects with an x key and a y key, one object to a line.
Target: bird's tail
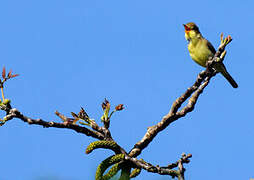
[{"x": 222, "y": 69}]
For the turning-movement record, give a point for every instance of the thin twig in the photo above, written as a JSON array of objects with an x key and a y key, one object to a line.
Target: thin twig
[
  {"x": 14, "y": 113},
  {"x": 168, "y": 170}
]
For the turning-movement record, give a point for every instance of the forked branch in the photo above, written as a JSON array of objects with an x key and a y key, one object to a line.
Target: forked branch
[{"x": 121, "y": 160}]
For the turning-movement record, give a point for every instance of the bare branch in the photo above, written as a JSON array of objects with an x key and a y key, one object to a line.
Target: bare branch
[
  {"x": 173, "y": 115},
  {"x": 192, "y": 92},
  {"x": 103, "y": 133},
  {"x": 164, "y": 170},
  {"x": 14, "y": 113}
]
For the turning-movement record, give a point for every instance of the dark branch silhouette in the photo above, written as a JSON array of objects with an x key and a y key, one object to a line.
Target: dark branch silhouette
[{"x": 123, "y": 160}]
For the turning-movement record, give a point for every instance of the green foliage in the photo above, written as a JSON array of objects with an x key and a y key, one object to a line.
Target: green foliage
[
  {"x": 101, "y": 144},
  {"x": 104, "y": 165}
]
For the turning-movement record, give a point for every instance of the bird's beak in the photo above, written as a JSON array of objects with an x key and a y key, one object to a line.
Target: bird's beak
[{"x": 187, "y": 29}]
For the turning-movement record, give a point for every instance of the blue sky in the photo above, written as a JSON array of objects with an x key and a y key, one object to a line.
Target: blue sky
[{"x": 76, "y": 53}]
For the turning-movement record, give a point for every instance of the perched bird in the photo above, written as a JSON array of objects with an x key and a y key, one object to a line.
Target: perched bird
[{"x": 201, "y": 50}]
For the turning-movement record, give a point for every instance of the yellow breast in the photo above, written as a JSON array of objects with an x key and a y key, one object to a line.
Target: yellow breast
[{"x": 199, "y": 51}]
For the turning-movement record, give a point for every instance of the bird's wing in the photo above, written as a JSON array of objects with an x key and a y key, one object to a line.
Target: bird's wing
[{"x": 210, "y": 46}]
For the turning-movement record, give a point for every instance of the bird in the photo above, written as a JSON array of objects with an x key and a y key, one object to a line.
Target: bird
[{"x": 201, "y": 50}]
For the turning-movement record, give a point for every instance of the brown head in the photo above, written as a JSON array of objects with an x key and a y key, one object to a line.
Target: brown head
[
  {"x": 192, "y": 32},
  {"x": 191, "y": 26}
]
